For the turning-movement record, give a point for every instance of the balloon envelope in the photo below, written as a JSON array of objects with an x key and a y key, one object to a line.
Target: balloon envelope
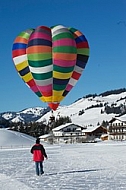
[{"x": 50, "y": 60}]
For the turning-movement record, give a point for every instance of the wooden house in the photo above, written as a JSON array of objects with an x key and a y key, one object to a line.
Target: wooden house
[{"x": 92, "y": 133}]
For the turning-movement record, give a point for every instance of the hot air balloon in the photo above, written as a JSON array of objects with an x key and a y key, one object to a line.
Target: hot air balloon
[{"x": 50, "y": 60}]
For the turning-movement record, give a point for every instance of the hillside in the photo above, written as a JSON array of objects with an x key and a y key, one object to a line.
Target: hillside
[
  {"x": 93, "y": 110},
  {"x": 13, "y": 139},
  {"x": 87, "y": 111}
]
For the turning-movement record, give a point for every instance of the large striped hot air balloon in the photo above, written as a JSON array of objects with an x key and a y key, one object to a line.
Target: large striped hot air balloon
[{"x": 50, "y": 60}]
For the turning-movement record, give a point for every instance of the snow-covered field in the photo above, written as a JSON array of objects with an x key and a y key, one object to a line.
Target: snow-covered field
[{"x": 96, "y": 166}]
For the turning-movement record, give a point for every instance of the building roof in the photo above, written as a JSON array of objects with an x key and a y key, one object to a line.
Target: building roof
[
  {"x": 121, "y": 119},
  {"x": 63, "y": 126},
  {"x": 104, "y": 135},
  {"x": 45, "y": 136},
  {"x": 91, "y": 129}
]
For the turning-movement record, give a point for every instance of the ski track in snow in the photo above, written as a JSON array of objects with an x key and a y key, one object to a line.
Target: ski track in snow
[{"x": 100, "y": 166}]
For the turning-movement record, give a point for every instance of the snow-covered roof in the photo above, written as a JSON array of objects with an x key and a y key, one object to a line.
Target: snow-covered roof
[
  {"x": 63, "y": 126},
  {"x": 45, "y": 136},
  {"x": 104, "y": 135},
  {"x": 90, "y": 129},
  {"x": 121, "y": 119}
]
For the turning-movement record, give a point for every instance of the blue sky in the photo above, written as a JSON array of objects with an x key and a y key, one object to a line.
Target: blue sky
[{"x": 102, "y": 22}]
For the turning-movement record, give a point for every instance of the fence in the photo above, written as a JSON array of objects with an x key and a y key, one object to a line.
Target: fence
[{"x": 15, "y": 146}]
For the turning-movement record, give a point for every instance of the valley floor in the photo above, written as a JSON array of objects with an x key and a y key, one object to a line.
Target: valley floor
[{"x": 98, "y": 166}]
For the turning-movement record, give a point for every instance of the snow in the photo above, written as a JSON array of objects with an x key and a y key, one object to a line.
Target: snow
[
  {"x": 7, "y": 115},
  {"x": 17, "y": 119},
  {"x": 10, "y": 139},
  {"x": 86, "y": 166},
  {"x": 123, "y": 118},
  {"x": 90, "y": 116},
  {"x": 61, "y": 126},
  {"x": 36, "y": 110},
  {"x": 90, "y": 129}
]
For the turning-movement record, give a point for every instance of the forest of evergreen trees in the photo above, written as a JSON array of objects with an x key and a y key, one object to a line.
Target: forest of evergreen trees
[{"x": 34, "y": 129}]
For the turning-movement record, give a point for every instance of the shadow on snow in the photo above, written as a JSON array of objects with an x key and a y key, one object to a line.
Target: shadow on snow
[{"x": 74, "y": 171}]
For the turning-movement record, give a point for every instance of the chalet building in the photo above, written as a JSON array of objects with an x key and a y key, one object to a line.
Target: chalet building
[
  {"x": 92, "y": 133},
  {"x": 68, "y": 132},
  {"x": 117, "y": 129}
]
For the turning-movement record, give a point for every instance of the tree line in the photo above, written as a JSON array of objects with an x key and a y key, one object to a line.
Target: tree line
[{"x": 35, "y": 129}]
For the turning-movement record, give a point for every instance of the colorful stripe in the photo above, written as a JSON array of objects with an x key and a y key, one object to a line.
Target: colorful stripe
[
  {"x": 21, "y": 62},
  {"x": 82, "y": 58}
]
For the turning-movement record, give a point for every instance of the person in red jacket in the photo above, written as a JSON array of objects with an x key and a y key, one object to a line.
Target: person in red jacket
[{"x": 39, "y": 153}]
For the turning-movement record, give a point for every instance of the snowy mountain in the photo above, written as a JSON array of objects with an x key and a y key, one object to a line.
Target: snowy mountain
[
  {"x": 26, "y": 115},
  {"x": 87, "y": 111}
]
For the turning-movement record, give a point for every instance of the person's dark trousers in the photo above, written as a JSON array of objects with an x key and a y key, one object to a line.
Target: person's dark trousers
[{"x": 39, "y": 168}]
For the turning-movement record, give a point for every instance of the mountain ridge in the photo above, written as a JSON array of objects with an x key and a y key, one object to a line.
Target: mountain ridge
[{"x": 84, "y": 111}]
